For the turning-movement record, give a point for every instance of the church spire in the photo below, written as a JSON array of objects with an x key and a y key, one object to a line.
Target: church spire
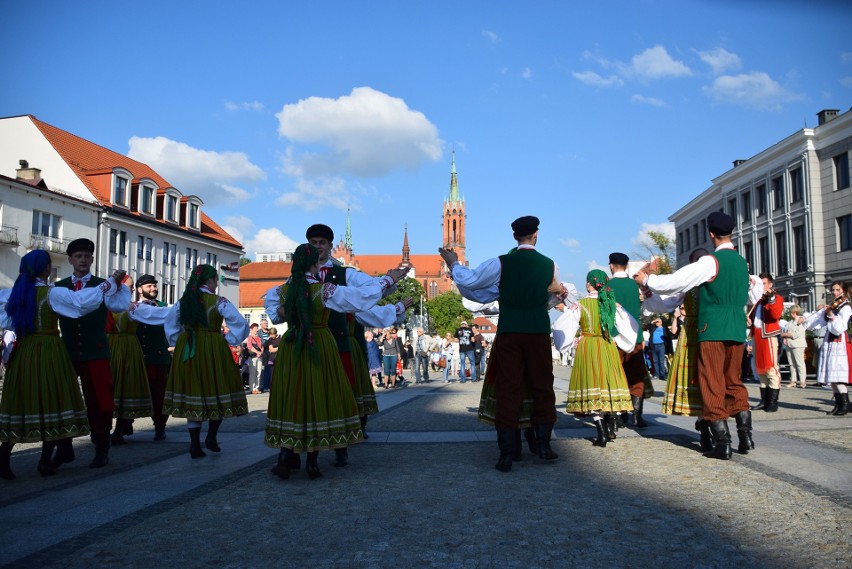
[
  {"x": 454, "y": 183},
  {"x": 347, "y": 239},
  {"x": 406, "y": 251}
]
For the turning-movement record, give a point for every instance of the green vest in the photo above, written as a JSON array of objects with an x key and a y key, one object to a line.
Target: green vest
[
  {"x": 626, "y": 293},
  {"x": 525, "y": 275},
  {"x": 721, "y": 302},
  {"x": 155, "y": 346},
  {"x": 337, "y": 320},
  {"x": 85, "y": 337}
]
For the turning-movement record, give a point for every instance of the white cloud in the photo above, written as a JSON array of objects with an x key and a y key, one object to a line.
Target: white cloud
[
  {"x": 315, "y": 194},
  {"x": 526, "y": 73},
  {"x": 667, "y": 229},
  {"x": 756, "y": 89},
  {"x": 366, "y": 133},
  {"x": 720, "y": 60},
  {"x": 204, "y": 173},
  {"x": 245, "y": 106},
  {"x": 592, "y": 265},
  {"x": 846, "y": 82},
  {"x": 656, "y": 63},
  {"x": 491, "y": 36},
  {"x": 238, "y": 226},
  {"x": 648, "y": 101},
  {"x": 269, "y": 240},
  {"x": 593, "y": 79},
  {"x": 570, "y": 243}
]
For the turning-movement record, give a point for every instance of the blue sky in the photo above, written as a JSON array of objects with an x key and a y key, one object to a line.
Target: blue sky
[{"x": 601, "y": 118}]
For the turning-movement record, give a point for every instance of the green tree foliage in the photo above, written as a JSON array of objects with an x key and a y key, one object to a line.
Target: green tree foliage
[
  {"x": 662, "y": 247},
  {"x": 405, "y": 288},
  {"x": 446, "y": 312},
  {"x": 244, "y": 261}
]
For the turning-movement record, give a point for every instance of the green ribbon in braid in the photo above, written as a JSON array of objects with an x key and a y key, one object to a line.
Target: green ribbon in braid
[
  {"x": 193, "y": 313},
  {"x": 606, "y": 302}
]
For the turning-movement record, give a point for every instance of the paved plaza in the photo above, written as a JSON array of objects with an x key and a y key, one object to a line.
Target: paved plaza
[{"x": 423, "y": 492}]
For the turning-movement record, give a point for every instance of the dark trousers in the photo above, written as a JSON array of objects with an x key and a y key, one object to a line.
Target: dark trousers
[
  {"x": 266, "y": 378},
  {"x": 158, "y": 376},
  {"x": 421, "y": 366},
  {"x": 658, "y": 351},
  {"x": 719, "y": 369},
  {"x": 96, "y": 380},
  {"x": 520, "y": 360}
]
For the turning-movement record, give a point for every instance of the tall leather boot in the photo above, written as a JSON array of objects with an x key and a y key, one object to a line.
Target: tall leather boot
[
  {"x": 638, "y": 405},
  {"x": 706, "y": 438},
  {"x": 762, "y": 403},
  {"x": 282, "y": 468},
  {"x": 529, "y": 434},
  {"x": 517, "y": 447},
  {"x": 842, "y": 404},
  {"x": 601, "y": 440},
  {"x": 195, "y": 450},
  {"x": 743, "y": 419},
  {"x": 45, "y": 463},
  {"x": 341, "y": 457},
  {"x": 311, "y": 466},
  {"x": 64, "y": 453},
  {"x": 722, "y": 436},
  {"x": 117, "y": 437},
  {"x": 212, "y": 430},
  {"x": 101, "y": 441},
  {"x": 838, "y": 401},
  {"x": 295, "y": 461},
  {"x": 506, "y": 444},
  {"x": 5, "y": 459},
  {"x": 364, "y": 426},
  {"x": 772, "y": 400},
  {"x": 609, "y": 424},
  {"x": 543, "y": 431}
]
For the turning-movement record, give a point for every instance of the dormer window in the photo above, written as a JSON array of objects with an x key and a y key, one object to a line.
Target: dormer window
[
  {"x": 120, "y": 187},
  {"x": 145, "y": 196},
  {"x": 171, "y": 208},
  {"x": 193, "y": 213},
  {"x": 146, "y": 199}
]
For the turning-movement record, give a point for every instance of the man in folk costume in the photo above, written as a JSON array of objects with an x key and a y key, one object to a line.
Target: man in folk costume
[
  {"x": 321, "y": 237},
  {"x": 155, "y": 348},
  {"x": 765, "y": 328},
  {"x": 524, "y": 278},
  {"x": 723, "y": 281},
  {"x": 86, "y": 341},
  {"x": 626, "y": 293}
]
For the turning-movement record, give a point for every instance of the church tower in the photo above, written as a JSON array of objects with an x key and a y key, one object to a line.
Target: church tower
[{"x": 454, "y": 218}]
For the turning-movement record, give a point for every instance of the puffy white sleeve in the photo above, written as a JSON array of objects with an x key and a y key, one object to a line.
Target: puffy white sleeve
[
  {"x": 358, "y": 279},
  {"x": 685, "y": 278},
  {"x": 238, "y": 325},
  {"x": 662, "y": 303},
  {"x": 838, "y": 324},
  {"x": 271, "y": 304},
  {"x": 479, "y": 295},
  {"x": 755, "y": 289},
  {"x": 565, "y": 328},
  {"x": 351, "y": 298},
  {"x": 74, "y": 304},
  {"x": 814, "y": 320},
  {"x": 482, "y": 307},
  {"x": 628, "y": 329},
  {"x": 172, "y": 325},
  {"x": 484, "y": 276},
  {"x": 148, "y": 313},
  {"x": 381, "y": 316},
  {"x": 5, "y": 319},
  {"x": 117, "y": 298}
]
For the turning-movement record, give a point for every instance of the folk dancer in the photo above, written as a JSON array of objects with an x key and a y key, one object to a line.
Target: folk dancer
[
  {"x": 155, "y": 347},
  {"x": 835, "y": 358},
  {"x": 763, "y": 320}
]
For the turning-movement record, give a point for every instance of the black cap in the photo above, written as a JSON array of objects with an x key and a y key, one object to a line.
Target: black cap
[
  {"x": 319, "y": 230},
  {"x": 619, "y": 259},
  {"x": 80, "y": 245},
  {"x": 145, "y": 279},
  {"x": 526, "y": 225},
  {"x": 720, "y": 224}
]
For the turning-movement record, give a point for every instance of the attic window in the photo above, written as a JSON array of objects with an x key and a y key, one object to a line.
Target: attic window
[
  {"x": 192, "y": 216},
  {"x": 119, "y": 191},
  {"x": 146, "y": 199},
  {"x": 171, "y": 208}
]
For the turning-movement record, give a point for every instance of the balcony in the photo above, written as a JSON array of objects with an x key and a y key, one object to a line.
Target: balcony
[
  {"x": 8, "y": 235},
  {"x": 49, "y": 244}
]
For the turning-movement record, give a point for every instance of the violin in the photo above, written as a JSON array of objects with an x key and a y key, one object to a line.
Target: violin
[
  {"x": 836, "y": 303},
  {"x": 768, "y": 295}
]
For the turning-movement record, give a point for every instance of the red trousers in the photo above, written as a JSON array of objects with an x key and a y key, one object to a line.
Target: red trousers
[
  {"x": 719, "y": 371},
  {"x": 635, "y": 370},
  {"x": 96, "y": 379},
  {"x": 520, "y": 360}
]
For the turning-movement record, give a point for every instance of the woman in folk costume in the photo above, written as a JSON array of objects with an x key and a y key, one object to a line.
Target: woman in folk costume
[
  {"x": 204, "y": 384},
  {"x": 311, "y": 404},
  {"x": 835, "y": 358},
  {"x": 598, "y": 386},
  {"x": 131, "y": 392},
  {"x": 41, "y": 396}
]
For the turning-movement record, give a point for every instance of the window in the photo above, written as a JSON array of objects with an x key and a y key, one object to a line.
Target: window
[
  {"x": 165, "y": 253},
  {"x": 191, "y": 258},
  {"x": 193, "y": 215},
  {"x": 46, "y": 224},
  {"x": 797, "y": 189},
  {"x": 704, "y": 229},
  {"x": 841, "y": 171},
  {"x": 748, "y": 254},
  {"x": 119, "y": 191},
  {"x": 211, "y": 260},
  {"x": 777, "y": 192},
  {"x": 118, "y": 242},
  {"x": 782, "y": 265},
  {"x": 680, "y": 242},
  {"x": 763, "y": 255},
  {"x": 149, "y": 248},
  {"x": 844, "y": 230},
  {"x": 140, "y": 247},
  {"x": 761, "y": 199},
  {"x": 171, "y": 208},
  {"x": 146, "y": 199},
  {"x": 687, "y": 243},
  {"x": 746, "y": 203},
  {"x": 173, "y": 254},
  {"x": 801, "y": 248},
  {"x": 732, "y": 207}
]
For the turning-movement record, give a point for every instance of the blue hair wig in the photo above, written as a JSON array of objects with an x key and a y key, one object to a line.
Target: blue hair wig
[{"x": 22, "y": 300}]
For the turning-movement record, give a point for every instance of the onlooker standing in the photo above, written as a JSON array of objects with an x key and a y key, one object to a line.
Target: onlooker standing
[
  {"x": 465, "y": 337},
  {"x": 658, "y": 349},
  {"x": 421, "y": 356},
  {"x": 391, "y": 350},
  {"x": 796, "y": 342},
  {"x": 270, "y": 350},
  {"x": 447, "y": 355},
  {"x": 407, "y": 354},
  {"x": 254, "y": 345},
  {"x": 374, "y": 359},
  {"x": 478, "y": 351}
]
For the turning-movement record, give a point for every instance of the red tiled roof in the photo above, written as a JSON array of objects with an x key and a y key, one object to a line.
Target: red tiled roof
[
  {"x": 271, "y": 270},
  {"x": 93, "y": 163},
  {"x": 426, "y": 265},
  {"x": 251, "y": 293}
]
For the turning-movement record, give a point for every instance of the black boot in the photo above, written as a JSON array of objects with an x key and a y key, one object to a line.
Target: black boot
[
  {"x": 341, "y": 457},
  {"x": 312, "y": 468},
  {"x": 529, "y": 434},
  {"x": 45, "y": 463},
  {"x": 64, "y": 453},
  {"x": 762, "y": 403},
  {"x": 5, "y": 459},
  {"x": 638, "y": 405},
  {"x": 706, "y": 438},
  {"x": 295, "y": 461},
  {"x": 722, "y": 438},
  {"x": 364, "y": 426},
  {"x": 195, "y": 443},
  {"x": 620, "y": 423},
  {"x": 842, "y": 404},
  {"x": 159, "y": 433},
  {"x": 743, "y": 419},
  {"x": 282, "y": 469},
  {"x": 772, "y": 400},
  {"x": 210, "y": 440},
  {"x": 601, "y": 440},
  {"x": 609, "y": 423},
  {"x": 101, "y": 442},
  {"x": 517, "y": 447},
  {"x": 128, "y": 427},
  {"x": 117, "y": 437},
  {"x": 838, "y": 402},
  {"x": 542, "y": 436},
  {"x": 506, "y": 444}
]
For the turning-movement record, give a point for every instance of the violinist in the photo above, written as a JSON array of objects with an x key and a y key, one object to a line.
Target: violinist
[
  {"x": 835, "y": 358},
  {"x": 763, "y": 319}
]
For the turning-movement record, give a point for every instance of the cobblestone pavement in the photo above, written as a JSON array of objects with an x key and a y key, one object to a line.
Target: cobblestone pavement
[{"x": 422, "y": 492}]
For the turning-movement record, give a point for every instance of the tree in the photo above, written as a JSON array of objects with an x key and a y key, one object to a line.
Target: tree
[
  {"x": 661, "y": 247},
  {"x": 244, "y": 261},
  {"x": 446, "y": 312},
  {"x": 405, "y": 288}
]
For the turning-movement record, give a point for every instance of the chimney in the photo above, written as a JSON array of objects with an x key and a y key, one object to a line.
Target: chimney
[
  {"x": 739, "y": 162},
  {"x": 27, "y": 173},
  {"x": 827, "y": 115}
]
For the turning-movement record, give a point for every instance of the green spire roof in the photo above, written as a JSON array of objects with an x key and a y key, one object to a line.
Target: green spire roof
[{"x": 454, "y": 184}]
